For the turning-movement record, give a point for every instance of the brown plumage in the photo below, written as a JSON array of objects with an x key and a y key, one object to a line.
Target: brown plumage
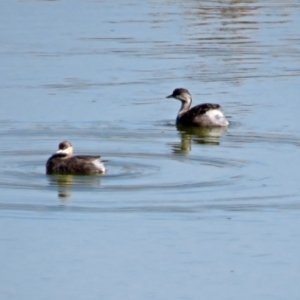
[{"x": 63, "y": 162}]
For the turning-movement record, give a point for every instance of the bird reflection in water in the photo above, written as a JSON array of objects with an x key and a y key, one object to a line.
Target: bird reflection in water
[
  {"x": 197, "y": 135},
  {"x": 66, "y": 183}
]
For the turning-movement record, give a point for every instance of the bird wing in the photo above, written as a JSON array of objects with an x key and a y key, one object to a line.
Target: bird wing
[
  {"x": 86, "y": 158},
  {"x": 200, "y": 109}
]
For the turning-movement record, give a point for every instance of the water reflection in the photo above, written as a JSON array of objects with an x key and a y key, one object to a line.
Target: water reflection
[
  {"x": 198, "y": 135},
  {"x": 227, "y": 9},
  {"x": 65, "y": 183}
]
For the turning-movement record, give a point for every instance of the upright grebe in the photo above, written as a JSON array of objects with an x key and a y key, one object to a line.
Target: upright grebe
[{"x": 205, "y": 115}]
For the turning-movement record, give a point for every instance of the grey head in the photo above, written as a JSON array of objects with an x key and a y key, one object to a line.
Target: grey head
[
  {"x": 65, "y": 148},
  {"x": 182, "y": 95}
]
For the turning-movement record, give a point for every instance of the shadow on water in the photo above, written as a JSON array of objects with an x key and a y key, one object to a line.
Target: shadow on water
[{"x": 197, "y": 135}]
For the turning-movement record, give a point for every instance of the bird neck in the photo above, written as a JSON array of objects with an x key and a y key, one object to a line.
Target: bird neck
[
  {"x": 61, "y": 155},
  {"x": 185, "y": 105}
]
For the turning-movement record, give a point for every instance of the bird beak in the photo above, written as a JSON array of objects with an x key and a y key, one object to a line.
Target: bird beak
[
  {"x": 59, "y": 151},
  {"x": 170, "y": 96}
]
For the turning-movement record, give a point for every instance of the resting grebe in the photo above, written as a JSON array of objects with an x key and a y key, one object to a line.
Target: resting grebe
[{"x": 62, "y": 162}]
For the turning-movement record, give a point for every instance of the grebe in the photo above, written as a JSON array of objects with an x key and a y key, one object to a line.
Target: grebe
[
  {"x": 63, "y": 162},
  {"x": 205, "y": 115}
]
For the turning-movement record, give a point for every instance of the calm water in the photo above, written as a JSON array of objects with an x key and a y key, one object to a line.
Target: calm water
[{"x": 181, "y": 214}]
